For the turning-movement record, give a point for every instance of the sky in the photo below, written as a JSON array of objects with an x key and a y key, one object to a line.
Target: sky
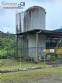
[{"x": 53, "y": 14}]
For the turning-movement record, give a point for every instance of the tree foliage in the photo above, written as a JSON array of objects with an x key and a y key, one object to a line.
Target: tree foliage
[{"x": 7, "y": 45}]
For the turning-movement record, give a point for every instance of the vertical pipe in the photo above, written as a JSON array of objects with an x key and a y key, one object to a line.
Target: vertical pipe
[
  {"x": 36, "y": 47},
  {"x": 17, "y": 45}
]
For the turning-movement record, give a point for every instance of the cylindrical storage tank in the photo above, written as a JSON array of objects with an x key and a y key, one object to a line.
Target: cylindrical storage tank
[
  {"x": 34, "y": 18},
  {"x": 19, "y": 22}
]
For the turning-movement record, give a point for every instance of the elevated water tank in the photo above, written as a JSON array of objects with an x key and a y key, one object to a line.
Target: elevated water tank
[
  {"x": 19, "y": 22},
  {"x": 34, "y": 18}
]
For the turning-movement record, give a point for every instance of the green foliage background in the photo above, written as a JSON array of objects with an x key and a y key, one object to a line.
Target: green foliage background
[{"x": 7, "y": 45}]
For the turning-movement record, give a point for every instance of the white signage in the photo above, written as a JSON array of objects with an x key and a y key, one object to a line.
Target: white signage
[{"x": 52, "y": 50}]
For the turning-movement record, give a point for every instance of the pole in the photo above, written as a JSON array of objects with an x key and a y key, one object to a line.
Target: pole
[{"x": 36, "y": 47}]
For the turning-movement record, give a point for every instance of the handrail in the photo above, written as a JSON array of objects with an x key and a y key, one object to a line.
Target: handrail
[{"x": 59, "y": 43}]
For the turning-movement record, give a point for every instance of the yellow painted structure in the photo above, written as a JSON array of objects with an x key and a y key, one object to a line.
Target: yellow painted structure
[{"x": 56, "y": 51}]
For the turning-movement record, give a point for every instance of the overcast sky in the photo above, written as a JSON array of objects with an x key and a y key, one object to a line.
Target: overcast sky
[{"x": 53, "y": 14}]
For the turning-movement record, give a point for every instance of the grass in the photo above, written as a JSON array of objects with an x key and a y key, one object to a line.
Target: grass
[
  {"x": 8, "y": 64},
  {"x": 26, "y": 76},
  {"x": 19, "y": 77}
]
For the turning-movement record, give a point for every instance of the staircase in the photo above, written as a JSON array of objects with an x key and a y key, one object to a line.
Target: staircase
[{"x": 59, "y": 44}]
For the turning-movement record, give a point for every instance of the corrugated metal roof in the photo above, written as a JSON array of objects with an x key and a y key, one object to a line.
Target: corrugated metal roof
[{"x": 44, "y": 32}]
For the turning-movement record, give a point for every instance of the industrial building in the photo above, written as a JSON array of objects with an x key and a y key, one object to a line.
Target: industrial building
[{"x": 32, "y": 36}]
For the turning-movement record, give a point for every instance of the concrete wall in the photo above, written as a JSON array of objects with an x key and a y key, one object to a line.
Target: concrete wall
[
  {"x": 32, "y": 45},
  {"x": 22, "y": 46},
  {"x": 42, "y": 45}
]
